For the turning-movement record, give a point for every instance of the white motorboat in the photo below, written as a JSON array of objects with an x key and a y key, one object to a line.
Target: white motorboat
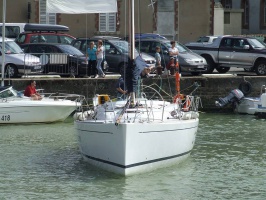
[
  {"x": 245, "y": 105},
  {"x": 16, "y": 108},
  {"x": 138, "y": 134}
]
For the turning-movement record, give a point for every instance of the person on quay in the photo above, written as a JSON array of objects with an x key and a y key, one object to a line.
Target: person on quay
[
  {"x": 121, "y": 89},
  {"x": 92, "y": 71},
  {"x": 172, "y": 67},
  {"x": 158, "y": 60},
  {"x": 173, "y": 51},
  {"x": 99, "y": 53},
  {"x": 31, "y": 92}
]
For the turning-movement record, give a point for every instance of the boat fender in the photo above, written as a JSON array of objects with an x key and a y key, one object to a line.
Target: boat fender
[
  {"x": 245, "y": 87},
  {"x": 80, "y": 116},
  {"x": 186, "y": 104}
]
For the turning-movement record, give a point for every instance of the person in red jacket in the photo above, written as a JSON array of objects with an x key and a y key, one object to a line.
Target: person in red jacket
[
  {"x": 30, "y": 91},
  {"x": 172, "y": 66}
]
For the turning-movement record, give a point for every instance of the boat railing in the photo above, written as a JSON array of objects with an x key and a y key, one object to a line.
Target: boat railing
[{"x": 64, "y": 96}]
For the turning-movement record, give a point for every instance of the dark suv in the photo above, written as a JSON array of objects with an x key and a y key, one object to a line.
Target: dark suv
[
  {"x": 116, "y": 52},
  {"x": 188, "y": 60},
  {"x": 61, "y": 59}
]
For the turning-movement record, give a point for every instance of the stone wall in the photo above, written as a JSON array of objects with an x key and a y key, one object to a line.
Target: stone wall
[{"x": 212, "y": 87}]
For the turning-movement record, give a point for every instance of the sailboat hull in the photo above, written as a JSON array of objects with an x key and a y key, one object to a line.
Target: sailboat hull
[{"x": 132, "y": 148}]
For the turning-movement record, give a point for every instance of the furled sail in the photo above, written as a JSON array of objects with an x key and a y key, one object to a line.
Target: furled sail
[{"x": 81, "y": 6}]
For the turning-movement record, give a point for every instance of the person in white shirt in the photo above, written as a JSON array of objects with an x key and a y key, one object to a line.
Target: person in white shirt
[
  {"x": 173, "y": 51},
  {"x": 99, "y": 54}
]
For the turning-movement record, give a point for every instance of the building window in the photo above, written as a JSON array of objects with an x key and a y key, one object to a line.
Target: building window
[
  {"x": 245, "y": 16},
  {"x": 263, "y": 14},
  {"x": 226, "y": 17},
  {"x": 44, "y": 17},
  {"x": 107, "y": 22},
  {"x": 227, "y": 4}
]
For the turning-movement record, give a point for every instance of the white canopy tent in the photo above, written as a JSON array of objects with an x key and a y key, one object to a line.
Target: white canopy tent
[{"x": 81, "y": 6}]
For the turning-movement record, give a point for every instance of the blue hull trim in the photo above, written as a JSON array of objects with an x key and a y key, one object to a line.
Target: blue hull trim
[{"x": 136, "y": 164}]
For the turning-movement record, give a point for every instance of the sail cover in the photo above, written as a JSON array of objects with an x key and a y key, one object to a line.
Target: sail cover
[{"x": 81, "y": 6}]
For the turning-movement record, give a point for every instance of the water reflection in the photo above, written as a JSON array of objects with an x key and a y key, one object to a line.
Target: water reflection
[{"x": 43, "y": 162}]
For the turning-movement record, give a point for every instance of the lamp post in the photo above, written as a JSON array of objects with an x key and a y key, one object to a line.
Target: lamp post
[{"x": 3, "y": 43}]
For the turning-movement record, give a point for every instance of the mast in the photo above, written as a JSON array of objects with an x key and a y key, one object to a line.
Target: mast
[
  {"x": 131, "y": 29},
  {"x": 131, "y": 67},
  {"x": 3, "y": 43}
]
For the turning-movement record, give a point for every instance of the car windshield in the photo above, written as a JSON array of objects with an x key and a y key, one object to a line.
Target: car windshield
[
  {"x": 256, "y": 43},
  {"x": 123, "y": 46},
  {"x": 181, "y": 48},
  {"x": 70, "y": 50},
  {"x": 11, "y": 48}
]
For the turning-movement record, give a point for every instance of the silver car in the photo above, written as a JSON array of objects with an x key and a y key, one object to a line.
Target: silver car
[
  {"x": 16, "y": 62},
  {"x": 188, "y": 60}
]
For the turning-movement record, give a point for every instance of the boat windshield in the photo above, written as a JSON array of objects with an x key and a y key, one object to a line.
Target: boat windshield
[
  {"x": 7, "y": 93},
  {"x": 11, "y": 48},
  {"x": 181, "y": 48}
]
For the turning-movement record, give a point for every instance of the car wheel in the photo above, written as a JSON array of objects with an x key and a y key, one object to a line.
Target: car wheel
[
  {"x": 223, "y": 70},
  {"x": 72, "y": 70},
  {"x": 260, "y": 68},
  {"x": 105, "y": 66},
  {"x": 11, "y": 71},
  {"x": 210, "y": 65}
]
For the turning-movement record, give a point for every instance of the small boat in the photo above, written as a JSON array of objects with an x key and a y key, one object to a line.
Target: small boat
[
  {"x": 245, "y": 105},
  {"x": 141, "y": 133},
  {"x": 16, "y": 108}
]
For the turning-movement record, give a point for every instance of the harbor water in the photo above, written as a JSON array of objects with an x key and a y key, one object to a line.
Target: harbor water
[{"x": 42, "y": 161}]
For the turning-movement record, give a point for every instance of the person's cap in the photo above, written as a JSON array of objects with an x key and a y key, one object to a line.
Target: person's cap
[{"x": 171, "y": 58}]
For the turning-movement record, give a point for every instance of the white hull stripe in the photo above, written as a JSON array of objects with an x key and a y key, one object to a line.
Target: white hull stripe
[{"x": 136, "y": 164}]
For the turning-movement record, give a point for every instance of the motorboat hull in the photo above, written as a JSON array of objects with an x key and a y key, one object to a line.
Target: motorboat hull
[
  {"x": 29, "y": 111},
  {"x": 132, "y": 148},
  {"x": 247, "y": 105}
]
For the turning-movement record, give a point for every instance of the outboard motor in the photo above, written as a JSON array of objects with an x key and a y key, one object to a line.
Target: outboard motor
[{"x": 234, "y": 95}]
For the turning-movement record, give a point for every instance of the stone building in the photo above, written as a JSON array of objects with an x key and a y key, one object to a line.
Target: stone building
[
  {"x": 253, "y": 14},
  {"x": 182, "y": 20}
]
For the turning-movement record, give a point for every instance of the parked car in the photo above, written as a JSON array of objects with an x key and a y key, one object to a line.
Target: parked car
[
  {"x": 18, "y": 63},
  {"x": 188, "y": 60},
  {"x": 12, "y": 30},
  {"x": 139, "y": 36},
  {"x": 208, "y": 38},
  {"x": 233, "y": 51},
  {"x": 116, "y": 52},
  {"x": 62, "y": 59},
  {"x": 44, "y": 33}
]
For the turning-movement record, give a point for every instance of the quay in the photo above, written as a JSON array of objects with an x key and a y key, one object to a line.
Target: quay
[{"x": 212, "y": 86}]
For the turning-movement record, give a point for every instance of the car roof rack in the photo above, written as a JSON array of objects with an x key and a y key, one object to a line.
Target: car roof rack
[{"x": 45, "y": 28}]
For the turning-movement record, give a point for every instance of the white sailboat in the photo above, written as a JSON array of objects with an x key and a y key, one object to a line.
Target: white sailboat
[{"x": 138, "y": 134}]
